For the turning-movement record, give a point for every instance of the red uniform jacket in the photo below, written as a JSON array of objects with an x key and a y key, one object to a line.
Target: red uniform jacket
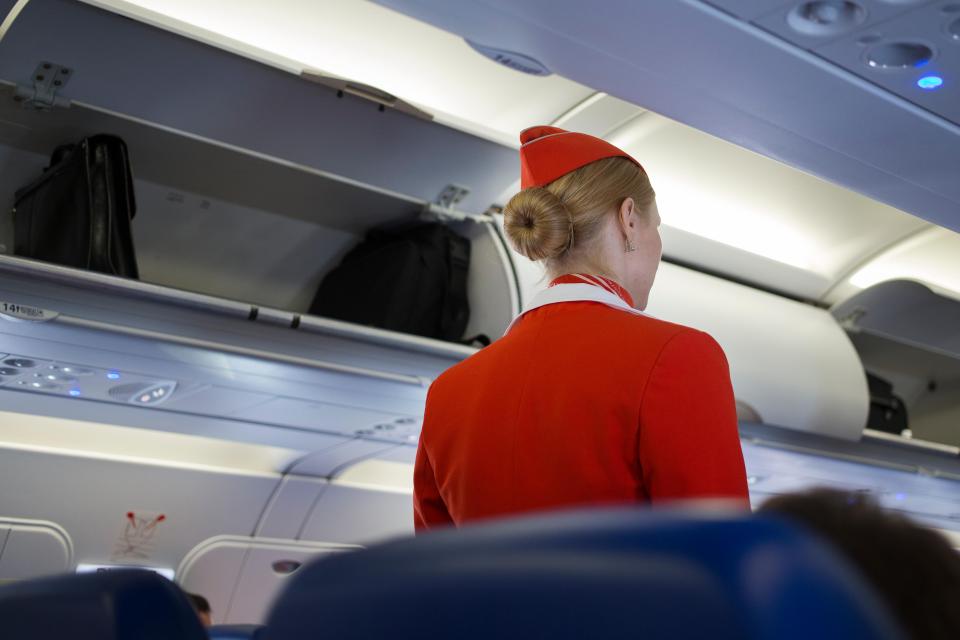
[{"x": 580, "y": 403}]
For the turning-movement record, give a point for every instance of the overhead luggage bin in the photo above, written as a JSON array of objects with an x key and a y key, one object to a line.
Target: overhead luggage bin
[
  {"x": 906, "y": 334},
  {"x": 157, "y": 77},
  {"x": 122, "y": 343},
  {"x": 905, "y": 311},
  {"x": 249, "y": 190},
  {"x": 790, "y": 363}
]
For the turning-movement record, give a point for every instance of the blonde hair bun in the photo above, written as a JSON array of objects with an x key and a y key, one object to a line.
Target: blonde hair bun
[{"x": 538, "y": 224}]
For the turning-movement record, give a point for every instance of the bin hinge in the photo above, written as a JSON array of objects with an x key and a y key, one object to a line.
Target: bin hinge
[
  {"x": 42, "y": 95},
  {"x": 444, "y": 208}
]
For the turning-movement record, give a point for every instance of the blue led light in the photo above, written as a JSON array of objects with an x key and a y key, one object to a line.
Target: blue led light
[
  {"x": 930, "y": 82},
  {"x": 113, "y": 375},
  {"x": 74, "y": 392}
]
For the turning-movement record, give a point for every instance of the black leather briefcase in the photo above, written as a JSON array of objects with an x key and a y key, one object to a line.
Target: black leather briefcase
[{"x": 78, "y": 212}]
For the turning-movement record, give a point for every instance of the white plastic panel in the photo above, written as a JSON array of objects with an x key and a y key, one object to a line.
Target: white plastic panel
[
  {"x": 598, "y": 115},
  {"x": 369, "y": 44},
  {"x": 34, "y": 550},
  {"x": 92, "y": 495},
  {"x": 929, "y": 500},
  {"x": 325, "y": 463},
  {"x": 237, "y": 574},
  {"x": 260, "y": 583},
  {"x": 936, "y": 416},
  {"x": 212, "y": 570},
  {"x": 290, "y": 506},
  {"x": 492, "y": 293},
  {"x": 359, "y": 516},
  {"x": 749, "y": 8},
  {"x": 737, "y": 212},
  {"x": 928, "y": 257},
  {"x": 791, "y": 362},
  {"x": 381, "y": 474}
]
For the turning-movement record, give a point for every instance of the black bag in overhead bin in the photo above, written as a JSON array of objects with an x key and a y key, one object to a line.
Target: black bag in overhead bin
[
  {"x": 411, "y": 279},
  {"x": 78, "y": 212},
  {"x": 887, "y": 411}
]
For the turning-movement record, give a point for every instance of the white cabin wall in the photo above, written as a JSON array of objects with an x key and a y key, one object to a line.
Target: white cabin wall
[
  {"x": 239, "y": 577},
  {"x": 936, "y": 415},
  {"x": 89, "y": 493}
]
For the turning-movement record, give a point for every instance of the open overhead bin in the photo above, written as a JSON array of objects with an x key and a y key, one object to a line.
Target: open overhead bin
[
  {"x": 250, "y": 188},
  {"x": 90, "y": 337},
  {"x": 907, "y": 335}
]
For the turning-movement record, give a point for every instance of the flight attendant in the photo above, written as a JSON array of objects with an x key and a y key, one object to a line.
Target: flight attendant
[{"x": 585, "y": 400}]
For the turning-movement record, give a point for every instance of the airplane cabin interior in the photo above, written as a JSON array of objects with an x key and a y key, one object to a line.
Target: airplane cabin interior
[{"x": 200, "y": 421}]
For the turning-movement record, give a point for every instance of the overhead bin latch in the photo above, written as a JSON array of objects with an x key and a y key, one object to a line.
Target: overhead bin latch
[
  {"x": 444, "y": 208},
  {"x": 383, "y": 98},
  {"x": 48, "y": 79},
  {"x": 851, "y": 321}
]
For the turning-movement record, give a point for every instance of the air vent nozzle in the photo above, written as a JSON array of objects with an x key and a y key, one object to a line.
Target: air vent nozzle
[
  {"x": 512, "y": 59},
  {"x": 143, "y": 394}
]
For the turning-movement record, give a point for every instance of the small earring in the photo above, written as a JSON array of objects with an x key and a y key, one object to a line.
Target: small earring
[{"x": 630, "y": 247}]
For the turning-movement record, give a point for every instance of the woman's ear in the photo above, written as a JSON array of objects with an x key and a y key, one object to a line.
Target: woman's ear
[{"x": 626, "y": 216}]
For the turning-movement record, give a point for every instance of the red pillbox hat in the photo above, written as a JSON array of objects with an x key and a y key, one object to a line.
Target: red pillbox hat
[{"x": 546, "y": 153}]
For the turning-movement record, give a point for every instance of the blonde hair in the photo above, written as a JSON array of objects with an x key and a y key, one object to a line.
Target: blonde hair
[{"x": 558, "y": 222}]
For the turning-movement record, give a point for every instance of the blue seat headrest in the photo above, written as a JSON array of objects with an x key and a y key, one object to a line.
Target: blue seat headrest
[
  {"x": 601, "y": 573},
  {"x": 235, "y": 632},
  {"x": 111, "y": 605}
]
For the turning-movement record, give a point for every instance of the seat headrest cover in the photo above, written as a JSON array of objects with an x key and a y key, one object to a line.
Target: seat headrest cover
[
  {"x": 546, "y": 153},
  {"x": 117, "y": 605},
  {"x": 235, "y": 631},
  {"x": 596, "y": 573}
]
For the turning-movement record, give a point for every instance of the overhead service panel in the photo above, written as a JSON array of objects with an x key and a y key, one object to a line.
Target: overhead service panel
[{"x": 88, "y": 337}]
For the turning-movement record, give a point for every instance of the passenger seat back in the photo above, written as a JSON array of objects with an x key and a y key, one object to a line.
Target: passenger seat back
[
  {"x": 112, "y": 605},
  {"x": 591, "y": 574}
]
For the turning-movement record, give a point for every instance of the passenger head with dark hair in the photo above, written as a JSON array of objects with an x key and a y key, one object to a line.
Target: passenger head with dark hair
[
  {"x": 912, "y": 568},
  {"x": 202, "y": 607}
]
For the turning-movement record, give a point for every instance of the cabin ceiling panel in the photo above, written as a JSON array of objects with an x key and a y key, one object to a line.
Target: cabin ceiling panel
[
  {"x": 750, "y": 9},
  {"x": 930, "y": 257},
  {"x": 812, "y": 25},
  {"x": 694, "y": 63},
  {"x": 367, "y": 43},
  {"x": 813, "y": 231}
]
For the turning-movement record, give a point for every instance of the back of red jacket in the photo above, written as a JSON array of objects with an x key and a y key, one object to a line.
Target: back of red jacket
[{"x": 579, "y": 404}]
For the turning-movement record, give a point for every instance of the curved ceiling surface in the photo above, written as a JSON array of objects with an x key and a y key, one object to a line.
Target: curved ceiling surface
[
  {"x": 724, "y": 208},
  {"x": 364, "y": 42}
]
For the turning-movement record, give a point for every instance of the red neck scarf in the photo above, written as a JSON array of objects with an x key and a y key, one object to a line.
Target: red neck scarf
[{"x": 597, "y": 281}]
